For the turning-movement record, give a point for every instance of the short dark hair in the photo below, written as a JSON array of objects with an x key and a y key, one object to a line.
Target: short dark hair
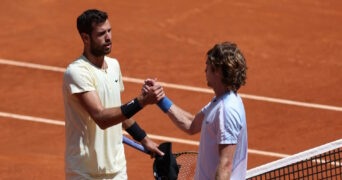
[
  {"x": 86, "y": 20},
  {"x": 227, "y": 57}
]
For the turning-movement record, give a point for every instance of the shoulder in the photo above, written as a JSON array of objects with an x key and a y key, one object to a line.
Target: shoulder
[
  {"x": 233, "y": 107},
  {"x": 77, "y": 67},
  {"x": 79, "y": 64},
  {"x": 232, "y": 104},
  {"x": 232, "y": 100}
]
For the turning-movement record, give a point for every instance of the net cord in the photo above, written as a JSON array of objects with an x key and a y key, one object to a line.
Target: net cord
[{"x": 294, "y": 158}]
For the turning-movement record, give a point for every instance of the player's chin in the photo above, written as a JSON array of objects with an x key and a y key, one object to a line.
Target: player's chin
[
  {"x": 107, "y": 51},
  {"x": 208, "y": 84}
]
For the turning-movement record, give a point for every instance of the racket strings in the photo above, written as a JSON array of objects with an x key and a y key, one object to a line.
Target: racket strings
[{"x": 187, "y": 164}]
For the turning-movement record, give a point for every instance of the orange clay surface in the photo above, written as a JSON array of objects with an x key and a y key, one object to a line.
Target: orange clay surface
[{"x": 293, "y": 51}]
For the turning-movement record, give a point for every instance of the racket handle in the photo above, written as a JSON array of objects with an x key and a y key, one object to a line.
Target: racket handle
[{"x": 134, "y": 144}]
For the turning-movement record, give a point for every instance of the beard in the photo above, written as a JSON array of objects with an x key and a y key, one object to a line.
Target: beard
[
  {"x": 208, "y": 84},
  {"x": 99, "y": 50}
]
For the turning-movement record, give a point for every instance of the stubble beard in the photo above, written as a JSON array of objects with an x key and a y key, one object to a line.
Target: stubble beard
[{"x": 99, "y": 51}]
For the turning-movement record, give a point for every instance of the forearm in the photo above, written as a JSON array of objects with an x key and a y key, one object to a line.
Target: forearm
[
  {"x": 108, "y": 117},
  {"x": 222, "y": 173},
  {"x": 181, "y": 118},
  {"x": 127, "y": 123},
  {"x": 225, "y": 166},
  {"x": 133, "y": 129}
]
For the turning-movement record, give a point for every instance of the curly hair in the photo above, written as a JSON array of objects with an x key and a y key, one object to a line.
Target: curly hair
[
  {"x": 227, "y": 57},
  {"x": 86, "y": 20}
]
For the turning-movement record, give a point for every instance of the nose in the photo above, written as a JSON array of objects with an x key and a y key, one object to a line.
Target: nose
[{"x": 108, "y": 36}]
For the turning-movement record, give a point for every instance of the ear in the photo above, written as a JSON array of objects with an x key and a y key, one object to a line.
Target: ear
[
  {"x": 218, "y": 72},
  {"x": 85, "y": 38}
]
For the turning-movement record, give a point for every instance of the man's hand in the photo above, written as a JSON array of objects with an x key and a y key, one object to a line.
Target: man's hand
[
  {"x": 152, "y": 147},
  {"x": 152, "y": 92},
  {"x": 147, "y": 84}
]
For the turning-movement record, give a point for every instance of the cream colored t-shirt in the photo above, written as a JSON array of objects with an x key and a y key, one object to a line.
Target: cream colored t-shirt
[{"x": 89, "y": 149}]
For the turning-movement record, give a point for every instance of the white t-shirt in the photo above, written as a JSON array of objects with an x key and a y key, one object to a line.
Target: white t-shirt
[
  {"x": 89, "y": 149},
  {"x": 224, "y": 123}
]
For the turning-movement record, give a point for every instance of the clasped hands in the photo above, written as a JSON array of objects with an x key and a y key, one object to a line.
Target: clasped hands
[{"x": 152, "y": 91}]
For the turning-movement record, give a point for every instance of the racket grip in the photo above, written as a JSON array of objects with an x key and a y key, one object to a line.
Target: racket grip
[{"x": 135, "y": 145}]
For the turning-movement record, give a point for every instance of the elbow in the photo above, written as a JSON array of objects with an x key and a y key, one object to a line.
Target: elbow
[
  {"x": 103, "y": 127},
  {"x": 190, "y": 132},
  {"x": 105, "y": 123},
  {"x": 192, "y": 129},
  {"x": 101, "y": 124}
]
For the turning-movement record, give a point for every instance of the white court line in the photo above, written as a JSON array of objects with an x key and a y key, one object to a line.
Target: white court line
[
  {"x": 184, "y": 87},
  {"x": 152, "y": 136}
]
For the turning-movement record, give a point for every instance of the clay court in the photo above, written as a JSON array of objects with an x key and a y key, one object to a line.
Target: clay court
[{"x": 293, "y": 95}]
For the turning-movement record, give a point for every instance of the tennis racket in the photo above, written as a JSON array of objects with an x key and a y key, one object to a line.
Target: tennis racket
[{"x": 183, "y": 167}]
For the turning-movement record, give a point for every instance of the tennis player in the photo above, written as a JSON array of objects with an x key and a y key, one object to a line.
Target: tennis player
[
  {"x": 94, "y": 115},
  {"x": 222, "y": 122}
]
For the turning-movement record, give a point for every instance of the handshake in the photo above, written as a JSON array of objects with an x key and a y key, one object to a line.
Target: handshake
[{"x": 152, "y": 93}]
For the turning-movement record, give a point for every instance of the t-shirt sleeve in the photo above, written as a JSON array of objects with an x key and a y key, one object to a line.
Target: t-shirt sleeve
[
  {"x": 229, "y": 126},
  {"x": 204, "y": 110},
  {"x": 78, "y": 80}
]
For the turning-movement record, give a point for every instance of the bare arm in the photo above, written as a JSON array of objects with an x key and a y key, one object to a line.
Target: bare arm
[
  {"x": 224, "y": 168},
  {"x": 103, "y": 117},
  {"x": 107, "y": 117},
  {"x": 184, "y": 120},
  {"x": 146, "y": 142}
]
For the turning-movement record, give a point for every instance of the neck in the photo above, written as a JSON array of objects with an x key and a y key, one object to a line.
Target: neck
[
  {"x": 221, "y": 90},
  {"x": 221, "y": 93},
  {"x": 98, "y": 61}
]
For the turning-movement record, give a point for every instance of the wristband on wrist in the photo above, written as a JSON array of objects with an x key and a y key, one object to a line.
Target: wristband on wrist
[
  {"x": 131, "y": 108},
  {"x": 165, "y": 104},
  {"x": 136, "y": 132}
]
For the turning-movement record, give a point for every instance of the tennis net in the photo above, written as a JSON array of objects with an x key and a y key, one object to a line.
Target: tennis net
[{"x": 323, "y": 162}]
